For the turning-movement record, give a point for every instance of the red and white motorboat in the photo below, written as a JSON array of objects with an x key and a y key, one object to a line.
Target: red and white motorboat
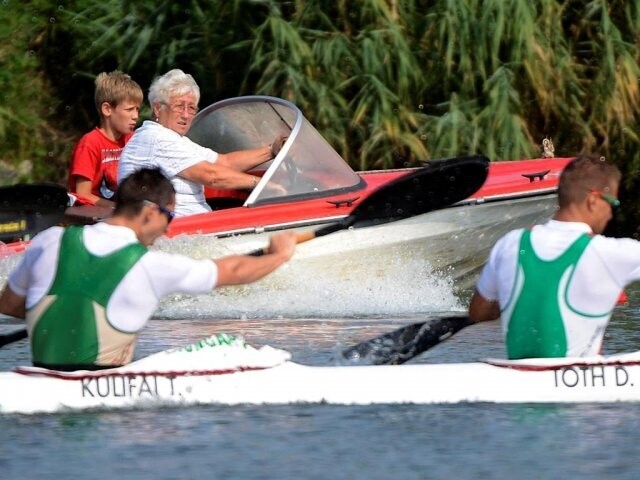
[
  {"x": 316, "y": 187},
  {"x": 321, "y": 188}
]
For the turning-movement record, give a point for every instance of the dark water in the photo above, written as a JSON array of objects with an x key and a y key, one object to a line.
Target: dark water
[{"x": 323, "y": 441}]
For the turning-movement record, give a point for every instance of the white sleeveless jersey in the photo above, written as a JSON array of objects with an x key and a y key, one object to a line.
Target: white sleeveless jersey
[
  {"x": 134, "y": 301},
  {"x": 604, "y": 269}
]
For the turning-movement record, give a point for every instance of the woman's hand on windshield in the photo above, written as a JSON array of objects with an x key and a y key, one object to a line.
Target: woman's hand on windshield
[
  {"x": 275, "y": 189},
  {"x": 277, "y": 144}
]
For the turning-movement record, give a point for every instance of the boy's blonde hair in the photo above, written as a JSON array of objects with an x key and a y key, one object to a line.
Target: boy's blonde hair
[{"x": 116, "y": 87}]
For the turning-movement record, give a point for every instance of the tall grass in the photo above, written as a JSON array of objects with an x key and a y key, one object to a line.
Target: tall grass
[
  {"x": 29, "y": 144},
  {"x": 389, "y": 83}
]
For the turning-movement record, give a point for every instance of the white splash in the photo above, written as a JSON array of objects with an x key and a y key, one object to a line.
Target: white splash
[{"x": 307, "y": 287}]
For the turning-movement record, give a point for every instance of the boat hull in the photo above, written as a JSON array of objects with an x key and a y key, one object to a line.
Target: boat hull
[{"x": 575, "y": 381}]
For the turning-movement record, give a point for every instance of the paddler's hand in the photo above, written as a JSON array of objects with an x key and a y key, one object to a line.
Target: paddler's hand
[{"x": 282, "y": 244}]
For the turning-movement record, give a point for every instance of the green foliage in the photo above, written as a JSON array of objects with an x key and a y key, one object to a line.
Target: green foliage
[
  {"x": 27, "y": 141},
  {"x": 389, "y": 83}
]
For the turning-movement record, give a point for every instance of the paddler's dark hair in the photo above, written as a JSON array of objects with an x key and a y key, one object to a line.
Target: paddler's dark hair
[
  {"x": 585, "y": 172},
  {"x": 144, "y": 184}
]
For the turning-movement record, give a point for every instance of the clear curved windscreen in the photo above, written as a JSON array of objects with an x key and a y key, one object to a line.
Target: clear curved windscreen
[{"x": 307, "y": 166}]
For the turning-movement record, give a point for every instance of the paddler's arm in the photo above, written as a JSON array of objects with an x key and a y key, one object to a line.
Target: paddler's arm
[
  {"x": 481, "y": 309},
  {"x": 11, "y": 303},
  {"x": 239, "y": 269}
]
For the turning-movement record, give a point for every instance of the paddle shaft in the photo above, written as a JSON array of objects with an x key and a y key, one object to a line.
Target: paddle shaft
[{"x": 302, "y": 237}]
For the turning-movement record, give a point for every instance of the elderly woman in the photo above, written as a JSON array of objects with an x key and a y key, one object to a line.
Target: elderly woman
[{"x": 162, "y": 143}]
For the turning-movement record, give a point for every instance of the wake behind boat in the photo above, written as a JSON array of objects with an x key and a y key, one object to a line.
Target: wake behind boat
[{"x": 224, "y": 370}]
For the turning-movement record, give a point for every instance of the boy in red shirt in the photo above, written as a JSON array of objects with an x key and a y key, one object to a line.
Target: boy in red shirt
[{"x": 95, "y": 158}]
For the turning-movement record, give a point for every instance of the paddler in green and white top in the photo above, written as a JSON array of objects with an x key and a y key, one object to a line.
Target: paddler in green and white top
[
  {"x": 555, "y": 285},
  {"x": 86, "y": 292}
]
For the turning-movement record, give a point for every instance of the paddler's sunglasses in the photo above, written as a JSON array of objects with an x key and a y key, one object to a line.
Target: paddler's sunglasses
[
  {"x": 610, "y": 199},
  {"x": 169, "y": 214}
]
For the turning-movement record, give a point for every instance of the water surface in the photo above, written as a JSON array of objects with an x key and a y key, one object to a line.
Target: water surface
[{"x": 324, "y": 441}]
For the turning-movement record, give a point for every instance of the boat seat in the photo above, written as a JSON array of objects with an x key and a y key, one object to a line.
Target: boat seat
[{"x": 220, "y": 199}]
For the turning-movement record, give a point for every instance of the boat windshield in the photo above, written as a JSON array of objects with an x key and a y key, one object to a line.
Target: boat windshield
[{"x": 306, "y": 166}]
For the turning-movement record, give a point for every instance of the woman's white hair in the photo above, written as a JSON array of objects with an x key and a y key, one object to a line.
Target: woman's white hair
[{"x": 174, "y": 83}]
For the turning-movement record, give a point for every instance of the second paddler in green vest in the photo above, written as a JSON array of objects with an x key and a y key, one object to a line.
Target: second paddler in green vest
[
  {"x": 554, "y": 286},
  {"x": 86, "y": 292}
]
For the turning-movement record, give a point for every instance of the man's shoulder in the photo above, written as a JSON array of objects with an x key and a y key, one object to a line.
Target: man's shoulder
[
  {"x": 511, "y": 236},
  {"x": 163, "y": 258},
  {"x": 507, "y": 245},
  {"x": 616, "y": 244},
  {"x": 47, "y": 237}
]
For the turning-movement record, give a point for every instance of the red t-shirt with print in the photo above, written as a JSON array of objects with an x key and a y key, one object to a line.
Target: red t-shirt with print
[{"x": 96, "y": 158}]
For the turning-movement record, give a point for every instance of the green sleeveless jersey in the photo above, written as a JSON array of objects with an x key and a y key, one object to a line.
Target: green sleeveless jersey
[
  {"x": 69, "y": 324},
  {"x": 535, "y": 325}
]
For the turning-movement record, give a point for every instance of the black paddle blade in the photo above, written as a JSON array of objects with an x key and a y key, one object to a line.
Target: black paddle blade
[
  {"x": 27, "y": 209},
  {"x": 405, "y": 343},
  {"x": 439, "y": 184},
  {"x": 7, "y": 338}
]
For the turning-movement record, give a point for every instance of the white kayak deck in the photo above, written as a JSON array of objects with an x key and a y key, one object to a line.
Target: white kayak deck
[{"x": 235, "y": 373}]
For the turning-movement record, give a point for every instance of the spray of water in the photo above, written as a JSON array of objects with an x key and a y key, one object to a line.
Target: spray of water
[
  {"x": 313, "y": 287},
  {"x": 307, "y": 286}
]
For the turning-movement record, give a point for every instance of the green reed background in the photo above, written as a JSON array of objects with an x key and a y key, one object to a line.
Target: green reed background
[{"x": 389, "y": 83}]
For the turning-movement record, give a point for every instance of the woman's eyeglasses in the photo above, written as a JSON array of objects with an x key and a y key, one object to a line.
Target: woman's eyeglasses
[
  {"x": 168, "y": 213},
  {"x": 183, "y": 107}
]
